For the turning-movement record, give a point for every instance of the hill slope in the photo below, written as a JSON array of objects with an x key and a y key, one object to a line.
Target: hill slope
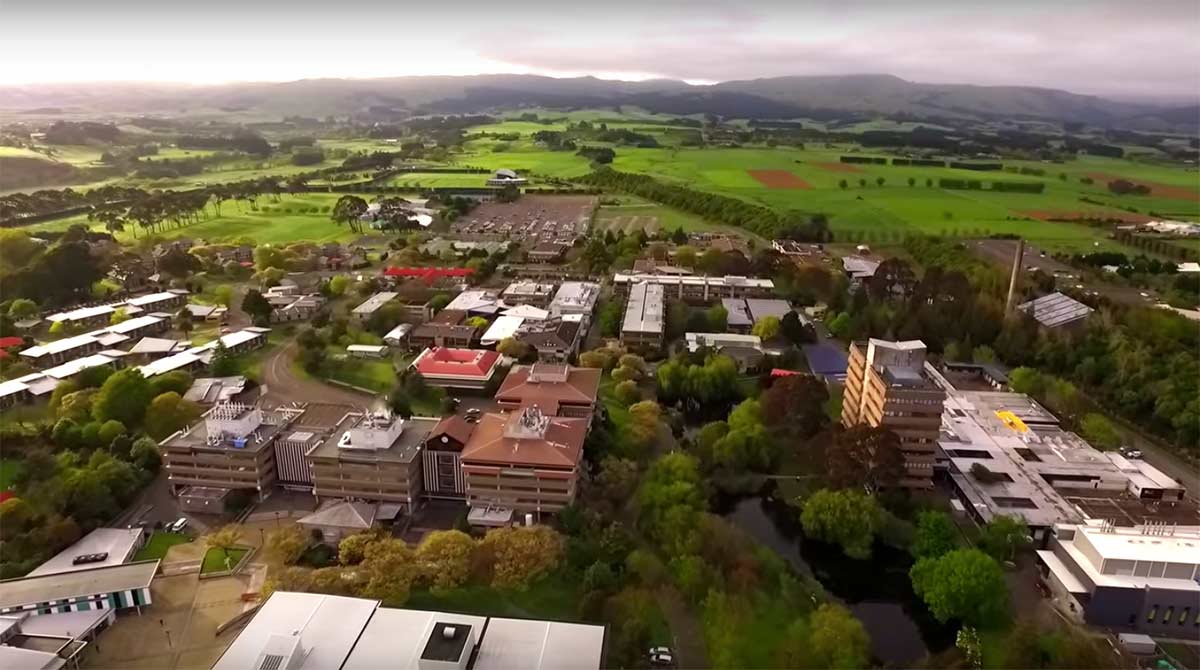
[{"x": 763, "y": 98}]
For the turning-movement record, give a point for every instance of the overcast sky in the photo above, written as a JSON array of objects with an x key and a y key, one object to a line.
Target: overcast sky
[{"x": 1108, "y": 47}]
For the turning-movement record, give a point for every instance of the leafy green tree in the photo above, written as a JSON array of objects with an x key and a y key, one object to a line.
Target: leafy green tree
[
  {"x": 627, "y": 393},
  {"x": 257, "y": 306},
  {"x": 718, "y": 318},
  {"x": 522, "y": 554},
  {"x": 766, "y": 328},
  {"x": 935, "y": 535},
  {"x": 963, "y": 585},
  {"x": 1003, "y": 536},
  {"x": 747, "y": 444},
  {"x": 348, "y": 211},
  {"x": 178, "y": 381},
  {"x": 445, "y": 558},
  {"x": 685, "y": 256},
  {"x": 795, "y": 405},
  {"x": 124, "y": 397},
  {"x": 865, "y": 456},
  {"x": 643, "y": 424},
  {"x": 1097, "y": 429},
  {"x": 224, "y": 364},
  {"x": 168, "y": 413},
  {"x": 848, "y": 518},
  {"x": 224, "y": 296},
  {"x": 144, "y": 454},
  {"x": 836, "y": 639},
  {"x": 22, "y": 308},
  {"x": 109, "y": 431},
  {"x": 286, "y": 545}
]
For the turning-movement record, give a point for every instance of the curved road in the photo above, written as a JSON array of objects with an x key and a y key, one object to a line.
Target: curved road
[{"x": 284, "y": 385}]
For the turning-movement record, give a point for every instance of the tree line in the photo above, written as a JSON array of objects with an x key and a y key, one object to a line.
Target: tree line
[{"x": 716, "y": 208}]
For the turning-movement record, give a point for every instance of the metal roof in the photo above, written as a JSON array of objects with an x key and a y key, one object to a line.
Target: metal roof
[
  {"x": 45, "y": 588},
  {"x": 644, "y": 311},
  {"x": 1055, "y": 310},
  {"x": 118, "y": 543}
]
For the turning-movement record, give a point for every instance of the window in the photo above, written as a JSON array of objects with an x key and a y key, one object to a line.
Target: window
[
  {"x": 1183, "y": 616},
  {"x": 1170, "y": 614},
  {"x": 1152, "y": 615}
]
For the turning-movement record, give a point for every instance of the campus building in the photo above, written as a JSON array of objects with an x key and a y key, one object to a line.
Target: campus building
[
  {"x": 575, "y": 297},
  {"x": 457, "y": 368},
  {"x": 521, "y": 462},
  {"x": 528, "y": 292},
  {"x": 110, "y": 587},
  {"x": 1141, "y": 579},
  {"x": 643, "y": 325},
  {"x": 368, "y": 307},
  {"x": 558, "y": 390},
  {"x": 231, "y": 447},
  {"x": 1005, "y": 454},
  {"x": 697, "y": 289},
  {"x": 372, "y": 457},
  {"x": 310, "y": 630},
  {"x": 886, "y": 385},
  {"x": 554, "y": 340}
]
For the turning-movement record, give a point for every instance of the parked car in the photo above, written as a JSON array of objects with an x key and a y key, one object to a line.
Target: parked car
[
  {"x": 179, "y": 525},
  {"x": 1130, "y": 452},
  {"x": 662, "y": 657}
]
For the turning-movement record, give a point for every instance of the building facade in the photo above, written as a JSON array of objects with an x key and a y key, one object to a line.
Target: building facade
[{"x": 886, "y": 386}]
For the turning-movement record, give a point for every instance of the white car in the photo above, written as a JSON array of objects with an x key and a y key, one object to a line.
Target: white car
[{"x": 179, "y": 525}]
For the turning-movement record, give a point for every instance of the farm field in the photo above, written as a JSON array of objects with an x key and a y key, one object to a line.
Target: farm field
[
  {"x": 653, "y": 216},
  {"x": 271, "y": 223}
]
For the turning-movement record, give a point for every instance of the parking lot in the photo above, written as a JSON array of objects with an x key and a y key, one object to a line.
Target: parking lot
[{"x": 530, "y": 220}]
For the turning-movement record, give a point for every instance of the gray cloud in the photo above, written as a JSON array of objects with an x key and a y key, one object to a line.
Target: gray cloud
[{"x": 1110, "y": 47}]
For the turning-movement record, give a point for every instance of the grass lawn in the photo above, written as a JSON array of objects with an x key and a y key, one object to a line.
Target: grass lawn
[
  {"x": 9, "y": 470},
  {"x": 214, "y": 559},
  {"x": 376, "y": 375},
  {"x": 158, "y": 544},
  {"x": 295, "y": 218},
  {"x": 25, "y": 414},
  {"x": 439, "y": 180},
  {"x": 555, "y": 597},
  {"x": 666, "y": 219}
]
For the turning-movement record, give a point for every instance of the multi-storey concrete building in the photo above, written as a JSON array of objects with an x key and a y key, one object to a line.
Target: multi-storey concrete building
[
  {"x": 886, "y": 385},
  {"x": 558, "y": 390},
  {"x": 522, "y": 462},
  {"x": 1142, "y": 578},
  {"x": 697, "y": 289},
  {"x": 231, "y": 448},
  {"x": 373, "y": 457},
  {"x": 643, "y": 325}
]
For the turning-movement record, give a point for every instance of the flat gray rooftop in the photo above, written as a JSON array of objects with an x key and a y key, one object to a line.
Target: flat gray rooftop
[{"x": 45, "y": 588}]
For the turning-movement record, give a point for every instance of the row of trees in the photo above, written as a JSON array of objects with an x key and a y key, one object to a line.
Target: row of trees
[{"x": 717, "y": 208}]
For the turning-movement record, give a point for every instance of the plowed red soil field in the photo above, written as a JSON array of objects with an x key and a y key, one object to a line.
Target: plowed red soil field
[
  {"x": 1157, "y": 189},
  {"x": 778, "y": 179}
]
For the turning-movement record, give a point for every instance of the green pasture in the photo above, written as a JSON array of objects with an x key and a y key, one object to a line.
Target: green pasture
[
  {"x": 668, "y": 218},
  {"x": 439, "y": 180},
  {"x": 291, "y": 219}
]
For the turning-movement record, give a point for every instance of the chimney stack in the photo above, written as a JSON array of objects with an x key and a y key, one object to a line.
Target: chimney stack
[{"x": 1014, "y": 278}]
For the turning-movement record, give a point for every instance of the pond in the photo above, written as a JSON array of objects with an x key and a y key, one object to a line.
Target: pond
[{"x": 877, "y": 591}]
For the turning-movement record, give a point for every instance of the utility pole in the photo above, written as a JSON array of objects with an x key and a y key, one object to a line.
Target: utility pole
[{"x": 1015, "y": 278}]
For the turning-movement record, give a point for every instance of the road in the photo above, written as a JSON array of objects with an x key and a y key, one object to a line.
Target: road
[
  {"x": 1164, "y": 460},
  {"x": 284, "y": 385}
]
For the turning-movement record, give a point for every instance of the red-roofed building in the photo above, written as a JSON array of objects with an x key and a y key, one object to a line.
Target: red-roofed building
[
  {"x": 457, "y": 368},
  {"x": 429, "y": 275}
]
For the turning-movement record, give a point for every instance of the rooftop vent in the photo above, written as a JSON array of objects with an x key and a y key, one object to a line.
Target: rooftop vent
[{"x": 448, "y": 633}]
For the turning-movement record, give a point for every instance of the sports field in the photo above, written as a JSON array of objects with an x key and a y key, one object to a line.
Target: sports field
[
  {"x": 634, "y": 213},
  {"x": 294, "y": 218}
]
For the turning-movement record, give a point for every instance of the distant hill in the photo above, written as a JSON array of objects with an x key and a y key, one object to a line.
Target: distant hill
[
  {"x": 18, "y": 172},
  {"x": 777, "y": 97}
]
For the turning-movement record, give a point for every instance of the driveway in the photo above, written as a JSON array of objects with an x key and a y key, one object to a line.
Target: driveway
[{"x": 284, "y": 385}]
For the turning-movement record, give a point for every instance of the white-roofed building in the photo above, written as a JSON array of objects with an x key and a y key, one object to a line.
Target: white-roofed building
[
  {"x": 309, "y": 631},
  {"x": 72, "y": 368},
  {"x": 697, "y": 288},
  {"x": 575, "y": 297},
  {"x": 528, "y": 312},
  {"x": 528, "y": 292},
  {"x": 644, "y": 313},
  {"x": 99, "y": 548},
  {"x": 13, "y": 392},
  {"x": 476, "y": 302},
  {"x": 59, "y": 351},
  {"x": 372, "y": 305},
  {"x": 1142, "y": 578},
  {"x": 503, "y": 327}
]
